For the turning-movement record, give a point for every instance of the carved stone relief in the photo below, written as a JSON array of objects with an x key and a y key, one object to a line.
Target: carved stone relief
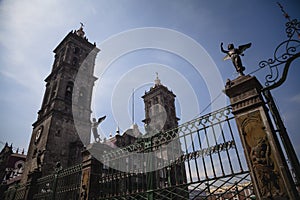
[
  {"x": 84, "y": 185},
  {"x": 261, "y": 156}
]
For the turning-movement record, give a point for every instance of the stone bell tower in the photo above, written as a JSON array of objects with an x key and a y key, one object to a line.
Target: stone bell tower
[
  {"x": 63, "y": 124},
  {"x": 160, "y": 114},
  {"x": 161, "y": 119}
]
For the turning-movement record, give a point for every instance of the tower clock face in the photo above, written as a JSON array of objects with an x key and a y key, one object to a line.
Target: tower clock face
[{"x": 38, "y": 134}]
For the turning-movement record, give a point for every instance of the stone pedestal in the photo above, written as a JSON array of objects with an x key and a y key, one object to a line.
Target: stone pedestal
[
  {"x": 91, "y": 170},
  {"x": 268, "y": 168},
  {"x": 31, "y": 184}
]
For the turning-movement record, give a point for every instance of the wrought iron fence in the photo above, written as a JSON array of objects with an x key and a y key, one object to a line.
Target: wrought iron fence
[
  {"x": 20, "y": 192},
  {"x": 45, "y": 187},
  {"x": 200, "y": 159},
  {"x": 63, "y": 184},
  {"x": 15, "y": 193},
  {"x": 68, "y": 183}
]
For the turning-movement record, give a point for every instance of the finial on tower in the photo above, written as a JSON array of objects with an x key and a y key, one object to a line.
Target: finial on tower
[
  {"x": 80, "y": 31},
  {"x": 157, "y": 80},
  {"x": 118, "y": 130}
]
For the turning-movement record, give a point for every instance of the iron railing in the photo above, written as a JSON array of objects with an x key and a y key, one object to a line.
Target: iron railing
[
  {"x": 200, "y": 159},
  {"x": 284, "y": 55},
  {"x": 63, "y": 184}
]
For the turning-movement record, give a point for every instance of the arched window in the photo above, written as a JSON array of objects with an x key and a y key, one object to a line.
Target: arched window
[
  {"x": 69, "y": 91},
  {"x": 61, "y": 55},
  {"x": 53, "y": 91},
  {"x": 76, "y": 50},
  {"x": 74, "y": 61},
  {"x": 155, "y": 100}
]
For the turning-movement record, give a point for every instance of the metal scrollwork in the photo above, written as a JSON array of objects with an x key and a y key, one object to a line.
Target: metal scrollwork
[{"x": 284, "y": 53}]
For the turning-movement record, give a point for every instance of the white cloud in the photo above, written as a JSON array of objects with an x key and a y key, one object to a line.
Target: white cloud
[{"x": 31, "y": 30}]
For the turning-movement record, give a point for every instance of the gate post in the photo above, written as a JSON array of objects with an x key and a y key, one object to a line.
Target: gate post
[
  {"x": 31, "y": 187},
  {"x": 91, "y": 169},
  {"x": 268, "y": 168}
]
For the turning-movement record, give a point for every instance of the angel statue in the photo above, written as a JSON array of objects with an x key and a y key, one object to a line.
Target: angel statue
[
  {"x": 234, "y": 55},
  {"x": 95, "y": 125}
]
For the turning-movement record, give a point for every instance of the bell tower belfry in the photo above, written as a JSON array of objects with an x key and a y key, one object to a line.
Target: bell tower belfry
[
  {"x": 160, "y": 113},
  {"x": 67, "y": 99}
]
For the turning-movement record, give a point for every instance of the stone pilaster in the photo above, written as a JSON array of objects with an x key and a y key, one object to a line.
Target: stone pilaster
[
  {"x": 91, "y": 169},
  {"x": 31, "y": 184},
  {"x": 268, "y": 168}
]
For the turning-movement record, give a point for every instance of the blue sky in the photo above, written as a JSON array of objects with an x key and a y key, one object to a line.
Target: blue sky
[{"x": 30, "y": 30}]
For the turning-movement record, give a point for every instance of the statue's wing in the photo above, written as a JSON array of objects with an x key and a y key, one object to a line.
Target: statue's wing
[
  {"x": 242, "y": 48},
  {"x": 226, "y": 57},
  {"x": 101, "y": 119}
]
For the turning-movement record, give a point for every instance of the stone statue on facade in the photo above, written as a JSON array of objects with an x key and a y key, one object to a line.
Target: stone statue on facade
[
  {"x": 95, "y": 125},
  {"x": 234, "y": 55},
  {"x": 39, "y": 161}
]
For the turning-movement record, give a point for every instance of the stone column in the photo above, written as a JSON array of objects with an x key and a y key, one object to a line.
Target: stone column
[
  {"x": 268, "y": 168},
  {"x": 91, "y": 170}
]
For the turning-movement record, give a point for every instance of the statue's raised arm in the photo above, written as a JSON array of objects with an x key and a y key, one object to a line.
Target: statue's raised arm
[
  {"x": 234, "y": 55},
  {"x": 222, "y": 49}
]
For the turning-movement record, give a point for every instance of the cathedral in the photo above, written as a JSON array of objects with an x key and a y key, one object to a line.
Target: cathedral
[{"x": 62, "y": 131}]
